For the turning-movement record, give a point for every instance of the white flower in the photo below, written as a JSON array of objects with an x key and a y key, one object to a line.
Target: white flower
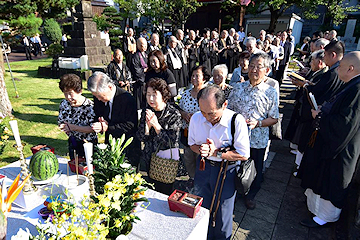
[
  {"x": 21, "y": 234},
  {"x": 102, "y": 146},
  {"x": 125, "y": 165},
  {"x": 122, "y": 237}
]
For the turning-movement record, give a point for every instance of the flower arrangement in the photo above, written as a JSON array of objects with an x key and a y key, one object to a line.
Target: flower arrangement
[
  {"x": 109, "y": 161},
  {"x": 118, "y": 185},
  {"x": 111, "y": 212},
  {"x": 119, "y": 200},
  {"x": 4, "y": 135}
]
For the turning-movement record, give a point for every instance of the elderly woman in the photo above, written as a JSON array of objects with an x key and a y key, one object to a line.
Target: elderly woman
[
  {"x": 240, "y": 73},
  {"x": 219, "y": 76},
  {"x": 159, "y": 69},
  {"x": 163, "y": 122},
  {"x": 189, "y": 105},
  {"x": 76, "y": 114}
]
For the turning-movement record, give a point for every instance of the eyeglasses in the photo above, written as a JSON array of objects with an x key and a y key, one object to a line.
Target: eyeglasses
[{"x": 256, "y": 67}]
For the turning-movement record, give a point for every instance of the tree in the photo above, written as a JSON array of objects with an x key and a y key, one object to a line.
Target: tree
[
  {"x": 157, "y": 11},
  {"x": 180, "y": 11},
  {"x": 5, "y": 104},
  {"x": 336, "y": 12},
  {"x": 52, "y": 30}
]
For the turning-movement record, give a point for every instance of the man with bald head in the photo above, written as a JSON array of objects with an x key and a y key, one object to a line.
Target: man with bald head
[
  {"x": 329, "y": 162},
  {"x": 192, "y": 51},
  {"x": 175, "y": 62},
  {"x": 138, "y": 69},
  {"x": 154, "y": 43}
]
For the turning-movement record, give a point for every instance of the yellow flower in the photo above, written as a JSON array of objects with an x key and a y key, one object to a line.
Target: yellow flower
[
  {"x": 118, "y": 223},
  {"x": 5, "y": 137}
]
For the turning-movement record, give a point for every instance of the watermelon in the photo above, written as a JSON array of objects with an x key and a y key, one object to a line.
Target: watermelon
[{"x": 43, "y": 165}]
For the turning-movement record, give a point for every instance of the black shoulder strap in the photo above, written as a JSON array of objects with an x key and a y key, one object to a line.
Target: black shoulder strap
[{"x": 233, "y": 128}]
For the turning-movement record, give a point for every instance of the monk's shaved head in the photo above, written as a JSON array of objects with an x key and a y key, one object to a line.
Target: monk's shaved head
[{"x": 349, "y": 66}]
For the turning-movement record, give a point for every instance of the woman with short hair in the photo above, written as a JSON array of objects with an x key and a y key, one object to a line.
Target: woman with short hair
[
  {"x": 240, "y": 73},
  {"x": 159, "y": 127},
  {"x": 76, "y": 114},
  {"x": 220, "y": 73}
]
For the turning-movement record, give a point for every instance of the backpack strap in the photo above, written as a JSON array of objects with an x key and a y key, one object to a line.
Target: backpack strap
[{"x": 233, "y": 128}]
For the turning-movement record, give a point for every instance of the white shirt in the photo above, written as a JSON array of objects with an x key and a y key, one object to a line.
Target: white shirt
[
  {"x": 200, "y": 129},
  {"x": 26, "y": 41},
  {"x": 241, "y": 36}
]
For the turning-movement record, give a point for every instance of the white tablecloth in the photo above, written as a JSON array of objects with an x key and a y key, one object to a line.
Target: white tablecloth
[{"x": 157, "y": 221}]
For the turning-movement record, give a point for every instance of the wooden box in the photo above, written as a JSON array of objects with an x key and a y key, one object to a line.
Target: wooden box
[
  {"x": 82, "y": 166},
  {"x": 189, "y": 204}
]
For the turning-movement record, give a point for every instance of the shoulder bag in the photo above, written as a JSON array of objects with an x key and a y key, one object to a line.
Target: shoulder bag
[{"x": 245, "y": 172}]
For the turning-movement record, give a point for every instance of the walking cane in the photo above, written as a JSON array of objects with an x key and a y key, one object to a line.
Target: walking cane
[{"x": 220, "y": 191}]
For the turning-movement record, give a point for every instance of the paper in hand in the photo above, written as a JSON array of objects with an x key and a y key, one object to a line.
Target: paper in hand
[{"x": 313, "y": 101}]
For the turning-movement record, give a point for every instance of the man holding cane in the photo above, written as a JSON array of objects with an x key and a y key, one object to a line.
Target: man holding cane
[{"x": 209, "y": 135}]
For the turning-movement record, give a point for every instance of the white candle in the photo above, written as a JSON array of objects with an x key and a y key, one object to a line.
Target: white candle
[
  {"x": 88, "y": 149},
  {"x": 15, "y": 130}
]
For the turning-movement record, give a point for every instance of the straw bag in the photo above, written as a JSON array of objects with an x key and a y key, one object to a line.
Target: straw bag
[{"x": 163, "y": 169}]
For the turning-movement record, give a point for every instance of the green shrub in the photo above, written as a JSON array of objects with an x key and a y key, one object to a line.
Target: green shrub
[
  {"x": 115, "y": 32},
  {"x": 54, "y": 50},
  {"x": 52, "y": 30}
]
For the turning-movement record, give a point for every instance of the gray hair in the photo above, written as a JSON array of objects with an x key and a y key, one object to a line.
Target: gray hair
[
  {"x": 98, "y": 82},
  {"x": 319, "y": 54},
  {"x": 321, "y": 42},
  {"x": 262, "y": 55},
  {"x": 213, "y": 90},
  {"x": 221, "y": 67},
  {"x": 251, "y": 40}
]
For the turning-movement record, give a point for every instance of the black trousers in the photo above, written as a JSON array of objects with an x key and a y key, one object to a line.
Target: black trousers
[
  {"x": 28, "y": 52},
  {"x": 258, "y": 156}
]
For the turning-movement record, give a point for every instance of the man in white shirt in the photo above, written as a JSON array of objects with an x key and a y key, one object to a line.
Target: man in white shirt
[
  {"x": 27, "y": 47},
  {"x": 209, "y": 134}
]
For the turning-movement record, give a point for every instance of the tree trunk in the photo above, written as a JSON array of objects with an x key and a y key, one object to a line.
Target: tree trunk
[
  {"x": 5, "y": 105},
  {"x": 273, "y": 20}
]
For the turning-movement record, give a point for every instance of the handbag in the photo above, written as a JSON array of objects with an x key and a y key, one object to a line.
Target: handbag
[
  {"x": 163, "y": 169},
  {"x": 246, "y": 171},
  {"x": 275, "y": 132}
]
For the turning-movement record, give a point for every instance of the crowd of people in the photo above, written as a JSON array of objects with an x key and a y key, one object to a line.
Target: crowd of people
[{"x": 188, "y": 100}]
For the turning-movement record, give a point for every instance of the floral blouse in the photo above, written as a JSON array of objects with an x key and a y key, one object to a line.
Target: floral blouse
[
  {"x": 82, "y": 116},
  {"x": 188, "y": 104},
  {"x": 170, "y": 121},
  {"x": 255, "y": 103}
]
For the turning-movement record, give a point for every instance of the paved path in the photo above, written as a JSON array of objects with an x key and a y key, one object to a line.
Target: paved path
[
  {"x": 19, "y": 56},
  {"x": 281, "y": 201}
]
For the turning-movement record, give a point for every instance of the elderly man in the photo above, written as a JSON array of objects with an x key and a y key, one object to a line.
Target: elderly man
[
  {"x": 129, "y": 46},
  {"x": 138, "y": 67},
  {"x": 115, "y": 112},
  {"x": 320, "y": 44},
  {"x": 283, "y": 64},
  {"x": 182, "y": 51},
  {"x": 209, "y": 133},
  {"x": 118, "y": 71},
  {"x": 192, "y": 51},
  {"x": 299, "y": 129},
  {"x": 329, "y": 164},
  {"x": 251, "y": 46},
  {"x": 258, "y": 103},
  {"x": 175, "y": 62},
  {"x": 262, "y": 35},
  {"x": 154, "y": 43}
]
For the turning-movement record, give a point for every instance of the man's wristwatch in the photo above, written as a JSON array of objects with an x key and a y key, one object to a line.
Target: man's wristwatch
[
  {"x": 259, "y": 124},
  {"x": 218, "y": 154}
]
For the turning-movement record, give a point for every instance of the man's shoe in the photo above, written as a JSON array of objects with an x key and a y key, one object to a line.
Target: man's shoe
[
  {"x": 310, "y": 223},
  {"x": 250, "y": 204}
]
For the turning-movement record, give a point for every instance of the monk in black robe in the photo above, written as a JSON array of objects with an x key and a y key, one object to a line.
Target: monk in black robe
[
  {"x": 138, "y": 69},
  {"x": 328, "y": 166}
]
